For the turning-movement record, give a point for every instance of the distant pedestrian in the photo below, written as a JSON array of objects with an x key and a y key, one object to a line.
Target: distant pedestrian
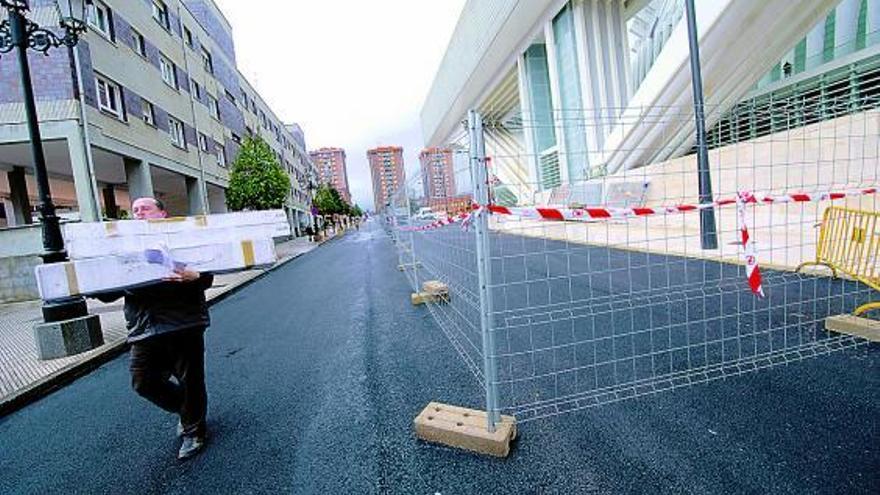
[{"x": 166, "y": 323}]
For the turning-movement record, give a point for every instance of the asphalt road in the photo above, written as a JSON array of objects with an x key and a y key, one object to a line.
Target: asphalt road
[{"x": 316, "y": 371}]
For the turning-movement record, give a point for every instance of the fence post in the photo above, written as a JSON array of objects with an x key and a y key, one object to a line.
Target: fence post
[
  {"x": 480, "y": 177},
  {"x": 412, "y": 243}
]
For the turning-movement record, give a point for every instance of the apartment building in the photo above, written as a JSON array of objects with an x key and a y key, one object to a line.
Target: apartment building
[
  {"x": 150, "y": 102},
  {"x": 332, "y": 170},
  {"x": 387, "y": 173}
]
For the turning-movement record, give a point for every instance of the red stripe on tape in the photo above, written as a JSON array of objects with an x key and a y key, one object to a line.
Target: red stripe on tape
[
  {"x": 598, "y": 212},
  {"x": 755, "y": 281},
  {"x": 550, "y": 213}
]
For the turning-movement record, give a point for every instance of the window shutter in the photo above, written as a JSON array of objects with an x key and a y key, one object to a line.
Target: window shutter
[
  {"x": 122, "y": 106},
  {"x": 111, "y": 28}
]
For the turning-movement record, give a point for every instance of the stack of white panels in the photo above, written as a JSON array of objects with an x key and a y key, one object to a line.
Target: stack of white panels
[{"x": 117, "y": 255}]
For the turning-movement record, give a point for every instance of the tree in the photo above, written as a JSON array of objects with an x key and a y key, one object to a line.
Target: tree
[
  {"x": 356, "y": 211},
  {"x": 257, "y": 181},
  {"x": 329, "y": 202}
]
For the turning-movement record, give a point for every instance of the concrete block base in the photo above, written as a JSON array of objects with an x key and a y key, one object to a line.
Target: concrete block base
[
  {"x": 854, "y": 325},
  {"x": 426, "y": 297},
  {"x": 68, "y": 337},
  {"x": 432, "y": 291},
  {"x": 464, "y": 429},
  {"x": 435, "y": 287}
]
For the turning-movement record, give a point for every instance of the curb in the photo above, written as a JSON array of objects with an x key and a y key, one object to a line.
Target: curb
[{"x": 69, "y": 374}]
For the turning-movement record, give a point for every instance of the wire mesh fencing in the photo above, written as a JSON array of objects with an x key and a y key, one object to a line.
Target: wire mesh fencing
[
  {"x": 583, "y": 274},
  {"x": 428, "y": 251}
]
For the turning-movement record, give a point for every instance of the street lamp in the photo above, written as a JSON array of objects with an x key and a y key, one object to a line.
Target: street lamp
[
  {"x": 313, "y": 210},
  {"x": 708, "y": 231},
  {"x": 19, "y": 33}
]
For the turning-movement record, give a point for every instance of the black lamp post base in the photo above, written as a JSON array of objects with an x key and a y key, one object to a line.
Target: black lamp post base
[{"x": 65, "y": 309}]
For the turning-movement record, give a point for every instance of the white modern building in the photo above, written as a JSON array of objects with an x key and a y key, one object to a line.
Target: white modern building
[{"x": 575, "y": 90}]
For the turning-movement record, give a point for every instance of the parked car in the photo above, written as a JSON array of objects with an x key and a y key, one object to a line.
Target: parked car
[{"x": 426, "y": 213}]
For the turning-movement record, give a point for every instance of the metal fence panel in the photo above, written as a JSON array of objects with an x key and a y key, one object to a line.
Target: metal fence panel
[{"x": 598, "y": 290}]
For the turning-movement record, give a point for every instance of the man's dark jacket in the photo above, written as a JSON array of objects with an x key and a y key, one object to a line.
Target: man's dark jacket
[{"x": 165, "y": 307}]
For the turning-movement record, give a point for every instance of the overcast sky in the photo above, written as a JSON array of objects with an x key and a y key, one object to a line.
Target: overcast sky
[{"x": 353, "y": 73}]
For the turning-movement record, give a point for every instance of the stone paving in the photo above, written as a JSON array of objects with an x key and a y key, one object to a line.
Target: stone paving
[{"x": 20, "y": 369}]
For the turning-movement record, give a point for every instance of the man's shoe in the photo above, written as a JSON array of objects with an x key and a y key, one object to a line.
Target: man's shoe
[{"x": 191, "y": 446}]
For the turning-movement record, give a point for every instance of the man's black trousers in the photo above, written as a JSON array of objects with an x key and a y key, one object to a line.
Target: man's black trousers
[{"x": 180, "y": 354}]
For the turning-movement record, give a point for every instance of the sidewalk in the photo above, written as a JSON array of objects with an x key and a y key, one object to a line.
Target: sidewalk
[{"x": 24, "y": 377}]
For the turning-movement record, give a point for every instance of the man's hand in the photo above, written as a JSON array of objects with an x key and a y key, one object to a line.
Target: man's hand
[{"x": 183, "y": 275}]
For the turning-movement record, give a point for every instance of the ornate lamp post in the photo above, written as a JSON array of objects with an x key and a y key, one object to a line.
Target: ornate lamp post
[{"x": 20, "y": 34}]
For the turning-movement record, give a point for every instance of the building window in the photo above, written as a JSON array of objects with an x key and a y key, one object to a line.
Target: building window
[
  {"x": 221, "y": 157},
  {"x": 169, "y": 74},
  {"x": 109, "y": 96},
  {"x": 175, "y": 130},
  {"x": 236, "y": 138},
  {"x": 207, "y": 61},
  {"x": 188, "y": 36},
  {"x": 101, "y": 19},
  {"x": 149, "y": 114},
  {"x": 203, "y": 142},
  {"x": 196, "y": 89},
  {"x": 160, "y": 13},
  {"x": 214, "y": 107},
  {"x": 138, "y": 43}
]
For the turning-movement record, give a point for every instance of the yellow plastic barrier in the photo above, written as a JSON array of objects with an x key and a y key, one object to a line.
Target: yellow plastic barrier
[{"x": 849, "y": 242}]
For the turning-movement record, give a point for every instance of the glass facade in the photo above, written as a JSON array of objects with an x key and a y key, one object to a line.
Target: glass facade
[
  {"x": 541, "y": 119},
  {"x": 570, "y": 94},
  {"x": 658, "y": 19},
  {"x": 821, "y": 91},
  {"x": 828, "y": 94},
  {"x": 847, "y": 29}
]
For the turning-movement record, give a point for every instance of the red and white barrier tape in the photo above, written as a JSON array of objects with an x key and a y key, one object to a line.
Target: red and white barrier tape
[
  {"x": 753, "y": 272},
  {"x": 599, "y": 212},
  {"x": 461, "y": 217}
]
